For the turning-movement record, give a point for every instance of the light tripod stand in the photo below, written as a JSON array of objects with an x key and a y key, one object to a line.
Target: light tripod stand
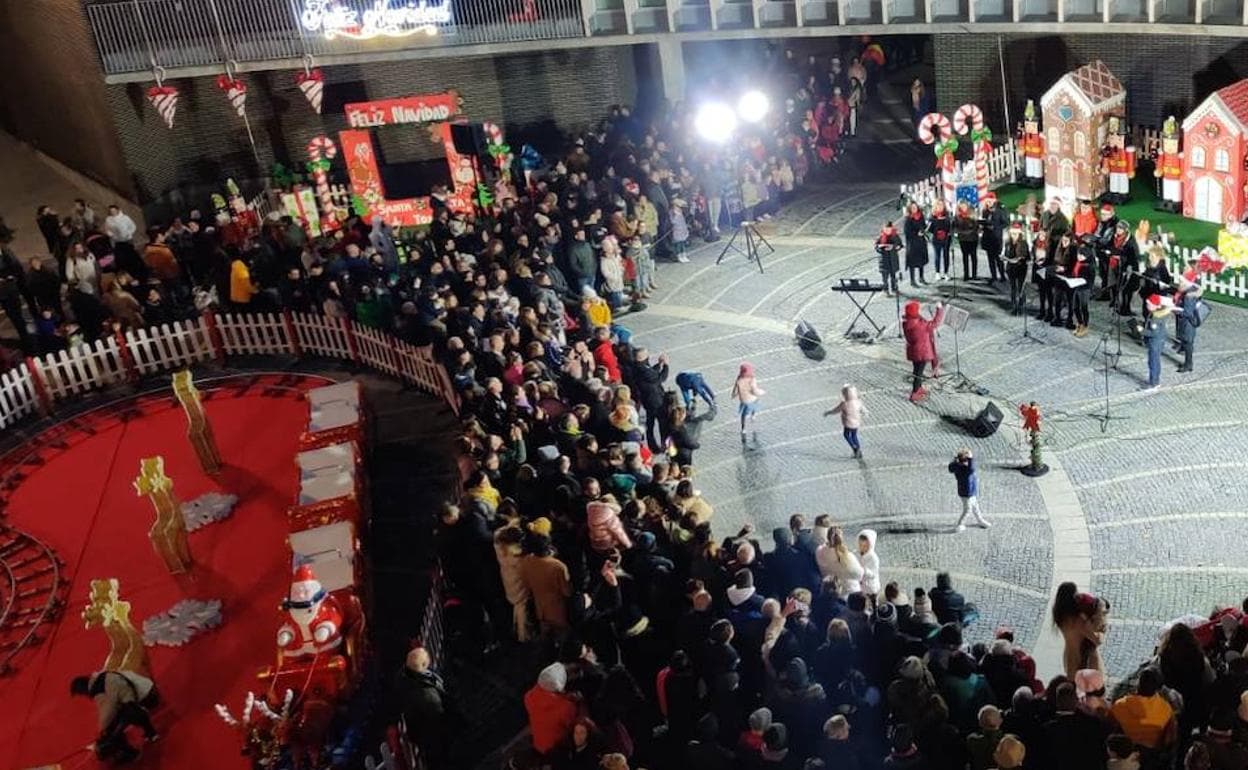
[{"x": 749, "y": 235}]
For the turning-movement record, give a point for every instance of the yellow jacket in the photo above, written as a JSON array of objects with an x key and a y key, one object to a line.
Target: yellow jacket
[
  {"x": 599, "y": 312},
  {"x": 241, "y": 287}
]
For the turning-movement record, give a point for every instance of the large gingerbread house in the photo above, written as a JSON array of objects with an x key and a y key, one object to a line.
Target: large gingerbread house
[
  {"x": 1076, "y": 111},
  {"x": 1214, "y": 139}
]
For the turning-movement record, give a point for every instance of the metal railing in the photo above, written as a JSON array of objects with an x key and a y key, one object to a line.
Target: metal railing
[{"x": 139, "y": 35}]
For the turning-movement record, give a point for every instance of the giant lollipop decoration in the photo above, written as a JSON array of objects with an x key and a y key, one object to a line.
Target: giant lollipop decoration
[
  {"x": 321, "y": 150},
  {"x": 969, "y": 119},
  {"x": 935, "y": 129}
]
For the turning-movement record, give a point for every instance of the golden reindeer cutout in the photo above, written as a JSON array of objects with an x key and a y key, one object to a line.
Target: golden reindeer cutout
[
  {"x": 105, "y": 610},
  {"x": 168, "y": 534},
  {"x": 198, "y": 429}
]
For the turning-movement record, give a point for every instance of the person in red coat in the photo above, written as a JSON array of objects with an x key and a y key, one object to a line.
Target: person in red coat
[
  {"x": 552, "y": 713},
  {"x": 604, "y": 353},
  {"x": 920, "y": 336}
]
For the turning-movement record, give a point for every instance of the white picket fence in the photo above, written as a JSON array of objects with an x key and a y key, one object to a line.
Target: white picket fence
[
  {"x": 39, "y": 383},
  {"x": 926, "y": 191}
]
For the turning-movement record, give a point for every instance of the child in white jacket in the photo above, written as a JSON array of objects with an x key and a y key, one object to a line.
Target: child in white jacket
[
  {"x": 870, "y": 561},
  {"x": 851, "y": 409}
]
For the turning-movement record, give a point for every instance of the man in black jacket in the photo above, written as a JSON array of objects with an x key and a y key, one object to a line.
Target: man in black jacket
[
  {"x": 428, "y": 710},
  {"x": 992, "y": 224},
  {"x": 648, "y": 386}
]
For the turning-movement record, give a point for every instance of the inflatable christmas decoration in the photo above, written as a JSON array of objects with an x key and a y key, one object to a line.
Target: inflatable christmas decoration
[
  {"x": 969, "y": 119},
  {"x": 1076, "y": 110},
  {"x": 1033, "y": 148},
  {"x": 314, "y": 622},
  {"x": 1168, "y": 168},
  {"x": 1215, "y": 140},
  {"x": 935, "y": 129},
  {"x": 1117, "y": 163}
]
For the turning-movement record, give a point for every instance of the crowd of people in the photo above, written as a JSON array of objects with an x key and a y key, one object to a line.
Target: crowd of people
[{"x": 590, "y": 223}]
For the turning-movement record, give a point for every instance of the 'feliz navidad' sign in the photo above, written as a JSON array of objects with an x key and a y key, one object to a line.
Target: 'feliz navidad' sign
[{"x": 383, "y": 18}]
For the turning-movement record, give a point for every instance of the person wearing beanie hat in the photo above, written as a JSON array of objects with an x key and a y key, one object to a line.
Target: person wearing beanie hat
[
  {"x": 775, "y": 753},
  {"x": 1187, "y": 317},
  {"x": 1010, "y": 753},
  {"x": 920, "y": 334},
  {"x": 548, "y": 582},
  {"x": 835, "y": 749},
  {"x": 751, "y": 739},
  {"x": 982, "y": 744},
  {"x": 1155, "y": 335},
  {"x": 552, "y": 713}
]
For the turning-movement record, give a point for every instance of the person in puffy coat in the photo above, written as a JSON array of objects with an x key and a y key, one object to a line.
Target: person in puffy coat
[
  {"x": 605, "y": 531},
  {"x": 920, "y": 336},
  {"x": 552, "y": 713},
  {"x": 870, "y": 562}
]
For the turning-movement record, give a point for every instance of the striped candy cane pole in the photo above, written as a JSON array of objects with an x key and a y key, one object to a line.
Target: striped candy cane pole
[
  {"x": 969, "y": 119},
  {"x": 935, "y": 129},
  {"x": 320, "y": 151}
]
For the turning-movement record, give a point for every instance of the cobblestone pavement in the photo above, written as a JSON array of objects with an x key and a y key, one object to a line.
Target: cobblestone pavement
[{"x": 1150, "y": 507}]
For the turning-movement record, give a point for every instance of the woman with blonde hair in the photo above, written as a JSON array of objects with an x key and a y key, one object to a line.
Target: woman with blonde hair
[{"x": 838, "y": 562}]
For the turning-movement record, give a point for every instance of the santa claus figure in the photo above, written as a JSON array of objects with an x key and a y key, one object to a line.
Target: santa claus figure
[
  {"x": 1033, "y": 148},
  {"x": 314, "y": 622},
  {"x": 1118, "y": 163},
  {"x": 1169, "y": 168}
]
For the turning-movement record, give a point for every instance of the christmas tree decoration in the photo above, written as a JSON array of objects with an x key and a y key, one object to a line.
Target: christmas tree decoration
[
  {"x": 165, "y": 100},
  {"x": 312, "y": 84},
  {"x": 236, "y": 91}
]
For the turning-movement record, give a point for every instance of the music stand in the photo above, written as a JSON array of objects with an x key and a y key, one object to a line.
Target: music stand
[
  {"x": 1028, "y": 335},
  {"x": 852, "y": 286},
  {"x": 957, "y": 318}
]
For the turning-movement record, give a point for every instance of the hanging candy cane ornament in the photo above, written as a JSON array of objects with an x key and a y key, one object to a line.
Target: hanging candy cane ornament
[
  {"x": 312, "y": 84},
  {"x": 235, "y": 90},
  {"x": 935, "y": 129},
  {"x": 165, "y": 100},
  {"x": 321, "y": 150},
  {"x": 969, "y": 119}
]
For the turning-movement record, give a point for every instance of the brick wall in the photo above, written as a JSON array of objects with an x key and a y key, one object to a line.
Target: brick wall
[
  {"x": 1163, "y": 75},
  {"x": 530, "y": 95},
  {"x": 52, "y": 92}
]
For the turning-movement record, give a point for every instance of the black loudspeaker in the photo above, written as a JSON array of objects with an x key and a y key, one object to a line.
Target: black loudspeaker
[
  {"x": 987, "y": 421},
  {"x": 468, "y": 138},
  {"x": 809, "y": 341}
]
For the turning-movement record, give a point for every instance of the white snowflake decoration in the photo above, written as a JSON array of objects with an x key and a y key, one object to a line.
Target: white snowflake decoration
[
  {"x": 182, "y": 622},
  {"x": 207, "y": 509}
]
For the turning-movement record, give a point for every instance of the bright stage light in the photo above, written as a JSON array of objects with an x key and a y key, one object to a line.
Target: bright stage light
[
  {"x": 715, "y": 122},
  {"x": 753, "y": 106}
]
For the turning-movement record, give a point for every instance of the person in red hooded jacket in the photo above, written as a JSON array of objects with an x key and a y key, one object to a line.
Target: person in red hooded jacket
[
  {"x": 552, "y": 712},
  {"x": 920, "y": 336},
  {"x": 604, "y": 353}
]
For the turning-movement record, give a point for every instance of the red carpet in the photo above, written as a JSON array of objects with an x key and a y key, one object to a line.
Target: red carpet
[{"x": 80, "y": 500}]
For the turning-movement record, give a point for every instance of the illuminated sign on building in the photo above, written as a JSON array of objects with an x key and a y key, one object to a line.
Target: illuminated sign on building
[{"x": 384, "y": 18}]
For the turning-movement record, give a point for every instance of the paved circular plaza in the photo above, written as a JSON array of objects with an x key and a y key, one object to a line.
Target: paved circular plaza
[{"x": 1148, "y": 508}]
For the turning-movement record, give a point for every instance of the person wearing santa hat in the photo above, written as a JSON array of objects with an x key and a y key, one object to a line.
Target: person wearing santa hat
[
  {"x": 920, "y": 336},
  {"x": 1102, "y": 237},
  {"x": 1155, "y": 335},
  {"x": 1186, "y": 316},
  {"x": 314, "y": 620}
]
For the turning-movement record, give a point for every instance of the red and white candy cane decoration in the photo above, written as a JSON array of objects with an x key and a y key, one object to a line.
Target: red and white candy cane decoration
[
  {"x": 935, "y": 129},
  {"x": 235, "y": 90},
  {"x": 969, "y": 119},
  {"x": 321, "y": 150},
  {"x": 165, "y": 100},
  {"x": 312, "y": 84}
]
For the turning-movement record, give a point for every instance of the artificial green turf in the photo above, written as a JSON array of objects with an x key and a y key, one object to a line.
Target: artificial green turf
[{"x": 1191, "y": 233}]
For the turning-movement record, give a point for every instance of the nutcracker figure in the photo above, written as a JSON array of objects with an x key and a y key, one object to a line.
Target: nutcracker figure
[
  {"x": 314, "y": 620},
  {"x": 1118, "y": 163},
  {"x": 1169, "y": 168},
  {"x": 1033, "y": 148}
]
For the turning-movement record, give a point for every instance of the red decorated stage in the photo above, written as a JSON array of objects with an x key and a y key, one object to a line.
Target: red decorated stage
[{"x": 73, "y": 489}]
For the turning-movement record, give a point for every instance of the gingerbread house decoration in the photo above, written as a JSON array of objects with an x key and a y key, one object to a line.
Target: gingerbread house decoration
[
  {"x": 1215, "y": 136},
  {"x": 1076, "y": 113}
]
